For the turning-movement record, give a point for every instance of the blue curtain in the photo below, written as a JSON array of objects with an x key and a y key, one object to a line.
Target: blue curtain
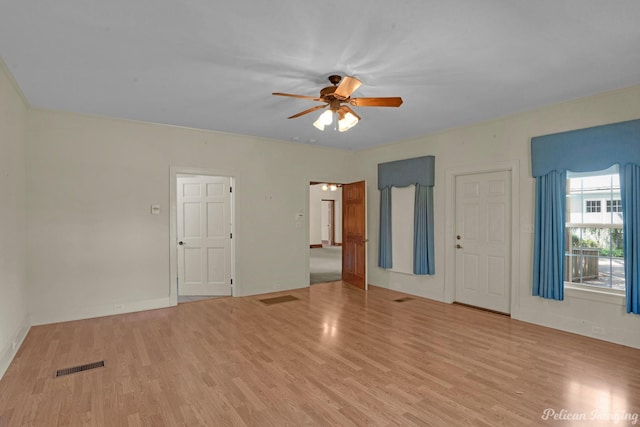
[
  {"x": 423, "y": 231},
  {"x": 630, "y": 189},
  {"x": 586, "y": 150},
  {"x": 548, "y": 258},
  {"x": 402, "y": 173},
  {"x": 384, "y": 245}
]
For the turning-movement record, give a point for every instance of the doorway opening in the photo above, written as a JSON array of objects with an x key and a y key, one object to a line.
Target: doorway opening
[
  {"x": 325, "y": 232},
  {"x": 350, "y": 229}
]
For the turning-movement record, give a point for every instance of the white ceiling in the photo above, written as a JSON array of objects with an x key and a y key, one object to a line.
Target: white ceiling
[{"x": 213, "y": 64}]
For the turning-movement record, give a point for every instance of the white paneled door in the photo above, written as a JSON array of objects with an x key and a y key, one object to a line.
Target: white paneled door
[
  {"x": 483, "y": 240},
  {"x": 204, "y": 235}
]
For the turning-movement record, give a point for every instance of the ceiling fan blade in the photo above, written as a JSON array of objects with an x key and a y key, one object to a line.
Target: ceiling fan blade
[
  {"x": 347, "y": 86},
  {"x": 376, "y": 102},
  {"x": 310, "y": 110},
  {"x": 296, "y": 96},
  {"x": 346, "y": 109}
]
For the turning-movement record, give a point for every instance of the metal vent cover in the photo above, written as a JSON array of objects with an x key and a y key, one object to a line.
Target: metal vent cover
[
  {"x": 81, "y": 368},
  {"x": 277, "y": 300}
]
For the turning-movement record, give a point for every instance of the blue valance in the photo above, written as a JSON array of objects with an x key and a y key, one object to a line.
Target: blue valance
[
  {"x": 589, "y": 149},
  {"x": 402, "y": 173}
]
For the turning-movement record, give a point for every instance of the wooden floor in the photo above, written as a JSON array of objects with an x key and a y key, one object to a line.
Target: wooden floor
[{"x": 336, "y": 356}]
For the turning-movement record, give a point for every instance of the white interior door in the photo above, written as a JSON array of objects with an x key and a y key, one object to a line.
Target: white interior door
[
  {"x": 325, "y": 221},
  {"x": 483, "y": 240},
  {"x": 204, "y": 235}
]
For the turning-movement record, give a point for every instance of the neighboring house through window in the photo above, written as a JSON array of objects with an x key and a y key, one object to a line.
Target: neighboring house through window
[
  {"x": 614, "y": 205},
  {"x": 593, "y": 206},
  {"x": 594, "y": 244}
]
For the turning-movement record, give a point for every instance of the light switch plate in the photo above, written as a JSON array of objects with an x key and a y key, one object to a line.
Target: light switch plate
[{"x": 155, "y": 209}]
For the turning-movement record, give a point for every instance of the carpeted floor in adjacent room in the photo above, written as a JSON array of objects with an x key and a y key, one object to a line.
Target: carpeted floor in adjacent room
[{"x": 325, "y": 264}]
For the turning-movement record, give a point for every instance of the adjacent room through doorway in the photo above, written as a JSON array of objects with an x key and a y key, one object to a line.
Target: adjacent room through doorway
[{"x": 325, "y": 232}]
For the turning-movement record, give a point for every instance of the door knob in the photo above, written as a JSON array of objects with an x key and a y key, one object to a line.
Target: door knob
[
  {"x": 181, "y": 243},
  {"x": 458, "y": 246}
]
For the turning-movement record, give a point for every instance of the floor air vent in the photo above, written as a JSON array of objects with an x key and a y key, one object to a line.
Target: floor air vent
[
  {"x": 405, "y": 299},
  {"x": 81, "y": 368},
  {"x": 277, "y": 300}
]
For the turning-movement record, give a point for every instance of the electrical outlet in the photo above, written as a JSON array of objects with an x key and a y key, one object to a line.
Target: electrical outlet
[
  {"x": 118, "y": 307},
  {"x": 598, "y": 330}
]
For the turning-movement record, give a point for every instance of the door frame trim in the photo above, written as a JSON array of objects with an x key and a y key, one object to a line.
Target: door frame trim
[
  {"x": 332, "y": 218},
  {"x": 174, "y": 171},
  {"x": 451, "y": 174}
]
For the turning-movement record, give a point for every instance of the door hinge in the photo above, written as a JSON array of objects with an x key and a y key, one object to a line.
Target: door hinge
[
  {"x": 230, "y": 189},
  {"x": 232, "y": 281},
  {"x": 231, "y": 235}
]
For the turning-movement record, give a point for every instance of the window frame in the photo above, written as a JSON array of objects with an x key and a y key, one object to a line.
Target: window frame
[{"x": 593, "y": 290}]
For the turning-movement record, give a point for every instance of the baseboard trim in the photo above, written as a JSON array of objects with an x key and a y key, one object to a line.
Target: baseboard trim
[
  {"x": 9, "y": 352},
  {"x": 315, "y": 246},
  {"x": 615, "y": 334},
  {"x": 79, "y": 313}
]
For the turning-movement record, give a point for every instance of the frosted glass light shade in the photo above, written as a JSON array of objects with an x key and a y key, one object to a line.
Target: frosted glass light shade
[
  {"x": 347, "y": 122},
  {"x": 325, "y": 119}
]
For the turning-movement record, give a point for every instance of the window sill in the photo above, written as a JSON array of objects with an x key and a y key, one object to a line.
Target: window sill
[
  {"x": 595, "y": 294},
  {"x": 410, "y": 273}
]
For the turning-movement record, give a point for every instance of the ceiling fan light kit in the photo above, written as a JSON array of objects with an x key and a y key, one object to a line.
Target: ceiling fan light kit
[
  {"x": 325, "y": 119},
  {"x": 338, "y": 98}
]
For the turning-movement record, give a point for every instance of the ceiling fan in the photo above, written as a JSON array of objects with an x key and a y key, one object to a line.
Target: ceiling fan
[{"x": 338, "y": 99}]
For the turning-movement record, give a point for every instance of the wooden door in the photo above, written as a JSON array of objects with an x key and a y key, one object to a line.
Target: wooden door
[
  {"x": 354, "y": 232},
  {"x": 204, "y": 235},
  {"x": 483, "y": 240}
]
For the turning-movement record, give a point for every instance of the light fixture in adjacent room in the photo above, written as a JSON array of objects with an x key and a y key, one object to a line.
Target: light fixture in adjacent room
[{"x": 329, "y": 187}]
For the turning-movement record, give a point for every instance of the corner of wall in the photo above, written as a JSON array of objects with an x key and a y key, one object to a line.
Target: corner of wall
[
  {"x": 14, "y": 313},
  {"x": 13, "y": 345},
  {"x": 4, "y": 69}
]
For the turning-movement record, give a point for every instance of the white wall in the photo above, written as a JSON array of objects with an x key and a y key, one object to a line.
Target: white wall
[
  {"x": 316, "y": 195},
  {"x": 14, "y": 319},
  {"x": 92, "y": 242},
  {"x": 500, "y": 142}
]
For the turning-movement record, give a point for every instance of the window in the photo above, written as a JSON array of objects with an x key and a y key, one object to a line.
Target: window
[
  {"x": 614, "y": 205},
  {"x": 594, "y": 246},
  {"x": 593, "y": 206},
  {"x": 402, "y": 207}
]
